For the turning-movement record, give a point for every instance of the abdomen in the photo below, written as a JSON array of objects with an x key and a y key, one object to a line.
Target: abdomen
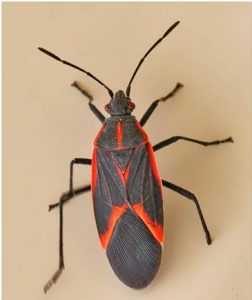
[
  {"x": 128, "y": 206},
  {"x": 133, "y": 252}
]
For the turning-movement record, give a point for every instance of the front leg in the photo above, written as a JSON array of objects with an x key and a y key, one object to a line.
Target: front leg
[
  {"x": 93, "y": 108},
  {"x": 154, "y": 104}
]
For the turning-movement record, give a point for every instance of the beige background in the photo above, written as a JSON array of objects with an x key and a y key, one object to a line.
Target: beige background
[{"x": 47, "y": 123}]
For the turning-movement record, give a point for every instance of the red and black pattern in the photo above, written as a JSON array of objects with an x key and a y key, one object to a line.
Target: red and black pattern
[
  {"x": 128, "y": 201},
  {"x": 126, "y": 185},
  {"x": 126, "y": 178}
]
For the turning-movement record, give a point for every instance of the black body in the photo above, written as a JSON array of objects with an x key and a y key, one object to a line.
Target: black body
[
  {"x": 126, "y": 186},
  {"x": 127, "y": 200}
]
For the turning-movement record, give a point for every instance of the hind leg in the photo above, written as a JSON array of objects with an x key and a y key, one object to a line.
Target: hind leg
[
  {"x": 192, "y": 197},
  {"x": 63, "y": 199},
  {"x": 68, "y": 196}
]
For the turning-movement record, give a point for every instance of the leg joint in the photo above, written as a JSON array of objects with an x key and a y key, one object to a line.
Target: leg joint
[{"x": 81, "y": 161}]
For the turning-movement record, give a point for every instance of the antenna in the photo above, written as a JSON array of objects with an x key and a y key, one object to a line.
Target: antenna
[
  {"x": 76, "y": 67},
  {"x": 147, "y": 53}
]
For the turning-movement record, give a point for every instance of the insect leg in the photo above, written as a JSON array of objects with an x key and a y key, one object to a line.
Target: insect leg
[
  {"x": 154, "y": 104},
  {"x": 93, "y": 108},
  {"x": 73, "y": 192},
  {"x": 192, "y": 197},
  {"x": 63, "y": 199},
  {"x": 68, "y": 196},
  {"x": 174, "y": 139},
  {"x": 76, "y": 161},
  {"x": 57, "y": 274}
]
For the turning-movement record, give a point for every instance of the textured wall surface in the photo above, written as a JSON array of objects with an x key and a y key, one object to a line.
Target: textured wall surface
[{"x": 47, "y": 123}]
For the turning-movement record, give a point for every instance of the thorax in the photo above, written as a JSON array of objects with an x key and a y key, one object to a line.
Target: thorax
[{"x": 120, "y": 132}]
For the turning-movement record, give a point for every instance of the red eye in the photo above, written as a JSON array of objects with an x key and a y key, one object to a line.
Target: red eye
[
  {"x": 107, "y": 107},
  {"x": 131, "y": 106}
]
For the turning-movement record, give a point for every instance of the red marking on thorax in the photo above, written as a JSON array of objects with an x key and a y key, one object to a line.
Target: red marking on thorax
[
  {"x": 99, "y": 135},
  {"x": 119, "y": 134},
  {"x": 94, "y": 172},
  {"x": 155, "y": 228},
  {"x": 115, "y": 215},
  {"x": 144, "y": 134}
]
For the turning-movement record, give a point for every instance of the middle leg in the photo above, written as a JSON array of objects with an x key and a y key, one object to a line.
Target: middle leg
[
  {"x": 77, "y": 161},
  {"x": 71, "y": 193},
  {"x": 68, "y": 196},
  {"x": 174, "y": 139}
]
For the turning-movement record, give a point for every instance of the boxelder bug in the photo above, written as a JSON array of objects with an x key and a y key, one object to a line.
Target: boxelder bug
[{"x": 126, "y": 185}]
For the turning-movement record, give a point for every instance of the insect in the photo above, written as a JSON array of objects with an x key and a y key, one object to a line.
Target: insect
[{"x": 126, "y": 185}]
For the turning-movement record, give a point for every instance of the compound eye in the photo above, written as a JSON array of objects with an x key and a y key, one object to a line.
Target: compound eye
[
  {"x": 131, "y": 106},
  {"x": 107, "y": 107}
]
